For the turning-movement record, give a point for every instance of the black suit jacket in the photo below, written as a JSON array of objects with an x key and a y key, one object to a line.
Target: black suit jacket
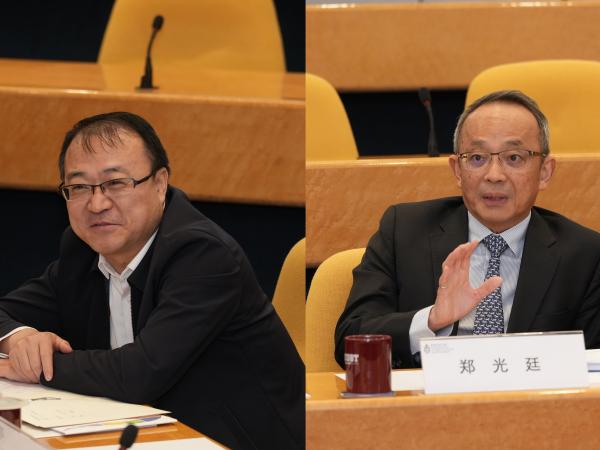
[
  {"x": 208, "y": 344},
  {"x": 558, "y": 286}
]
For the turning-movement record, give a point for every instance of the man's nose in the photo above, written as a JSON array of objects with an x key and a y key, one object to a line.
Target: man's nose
[
  {"x": 98, "y": 200},
  {"x": 495, "y": 170}
]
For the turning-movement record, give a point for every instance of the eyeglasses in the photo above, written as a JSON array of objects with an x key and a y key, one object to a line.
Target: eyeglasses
[
  {"x": 511, "y": 159},
  {"x": 111, "y": 188}
]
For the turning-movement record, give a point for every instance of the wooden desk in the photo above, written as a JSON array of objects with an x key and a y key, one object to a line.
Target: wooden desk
[
  {"x": 560, "y": 419},
  {"x": 366, "y": 47},
  {"x": 346, "y": 199},
  {"x": 230, "y": 136},
  {"x": 158, "y": 433}
]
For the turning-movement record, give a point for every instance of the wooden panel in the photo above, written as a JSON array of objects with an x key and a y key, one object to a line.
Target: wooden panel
[
  {"x": 442, "y": 45},
  {"x": 179, "y": 78},
  {"x": 345, "y": 200},
  {"x": 509, "y": 420},
  {"x": 233, "y": 144}
]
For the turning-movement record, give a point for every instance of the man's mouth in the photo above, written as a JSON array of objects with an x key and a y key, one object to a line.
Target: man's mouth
[
  {"x": 494, "y": 199},
  {"x": 102, "y": 224}
]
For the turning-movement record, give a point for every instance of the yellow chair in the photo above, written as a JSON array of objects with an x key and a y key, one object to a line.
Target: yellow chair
[
  {"x": 328, "y": 131},
  {"x": 326, "y": 300},
  {"x": 289, "y": 298},
  {"x": 567, "y": 91},
  {"x": 216, "y": 34}
]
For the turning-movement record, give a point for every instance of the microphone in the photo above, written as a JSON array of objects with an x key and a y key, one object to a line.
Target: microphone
[
  {"x": 128, "y": 437},
  {"x": 146, "y": 81},
  {"x": 425, "y": 97}
]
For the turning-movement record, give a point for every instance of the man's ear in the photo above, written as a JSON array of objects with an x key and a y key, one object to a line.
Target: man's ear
[
  {"x": 546, "y": 171},
  {"x": 161, "y": 181},
  {"x": 455, "y": 167}
]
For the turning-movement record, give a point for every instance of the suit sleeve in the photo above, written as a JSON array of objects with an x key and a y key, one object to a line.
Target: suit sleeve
[
  {"x": 199, "y": 292},
  {"x": 373, "y": 305},
  {"x": 34, "y": 304}
]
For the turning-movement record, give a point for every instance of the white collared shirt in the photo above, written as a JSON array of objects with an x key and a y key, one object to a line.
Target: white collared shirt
[
  {"x": 510, "y": 263},
  {"x": 119, "y": 297}
]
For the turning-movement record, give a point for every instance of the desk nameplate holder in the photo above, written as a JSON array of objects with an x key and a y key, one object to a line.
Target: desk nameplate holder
[{"x": 506, "y": 362}]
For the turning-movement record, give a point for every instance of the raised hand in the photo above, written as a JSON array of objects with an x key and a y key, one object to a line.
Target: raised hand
[{"x": 455, "y": 296}]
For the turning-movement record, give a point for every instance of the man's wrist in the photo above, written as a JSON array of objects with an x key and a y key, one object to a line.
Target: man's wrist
[{"x": 432, "y": 322}]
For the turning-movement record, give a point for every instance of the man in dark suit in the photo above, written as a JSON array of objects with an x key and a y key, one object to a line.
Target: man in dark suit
[
  {"x": 489, "y": 262},
  {"x": 151, "y": 302}
]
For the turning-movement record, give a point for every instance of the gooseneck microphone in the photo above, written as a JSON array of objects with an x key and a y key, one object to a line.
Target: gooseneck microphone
[
  {"x": 425, "y": 97},
  {"x": 146, "y": 81},
  {"x": 128, "y": 437}
]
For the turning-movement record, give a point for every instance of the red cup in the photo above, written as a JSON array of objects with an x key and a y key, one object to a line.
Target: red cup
[
  {"x": 10, "y": 409},
  {"x": 368, "y": 359}
]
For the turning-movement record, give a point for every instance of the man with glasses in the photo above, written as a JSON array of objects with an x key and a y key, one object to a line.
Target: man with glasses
[
  {"x": 488, "y": 262},
  {"x": 151, "y": 302}
]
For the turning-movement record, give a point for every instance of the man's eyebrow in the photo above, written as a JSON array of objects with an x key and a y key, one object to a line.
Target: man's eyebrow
[
  {"x": 514, "y": 142},
  {"x": 74, "y": 174},
  {"x": 108, "y": 170},
  {"x": 116, "y": 169},
  {"x": 480, "y": 143}
]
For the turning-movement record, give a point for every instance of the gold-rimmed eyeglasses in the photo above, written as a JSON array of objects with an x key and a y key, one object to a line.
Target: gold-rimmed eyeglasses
[
  {"x": 511, "y": 159},
  {"x": 111, "y": 188}
]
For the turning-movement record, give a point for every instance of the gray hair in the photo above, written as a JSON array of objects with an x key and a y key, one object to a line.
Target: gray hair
[{"x": 515, "y": 97}]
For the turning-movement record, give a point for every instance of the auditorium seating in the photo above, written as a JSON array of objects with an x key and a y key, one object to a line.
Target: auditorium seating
[
  {"x": 215, "y": 34},
  {"x": 326, "y": 300},
  {"x": 567, "y": 91},
  {"x": 328, "y": 132}
]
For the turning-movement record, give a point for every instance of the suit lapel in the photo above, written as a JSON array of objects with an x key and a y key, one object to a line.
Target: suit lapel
[
  {"x": 453, "y": 231},
  {"x": 95, "y": 291},
  {"x": 538, "y": 264},
  {"x": 141, "y": 306}
]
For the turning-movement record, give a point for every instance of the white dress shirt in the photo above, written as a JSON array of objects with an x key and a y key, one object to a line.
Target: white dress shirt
[
  {"x": 510, "y": 263},
  {"x": 119, "y": 297}
]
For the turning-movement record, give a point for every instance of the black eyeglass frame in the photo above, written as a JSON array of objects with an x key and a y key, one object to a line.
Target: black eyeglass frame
[{"x": 64, "y": 188}]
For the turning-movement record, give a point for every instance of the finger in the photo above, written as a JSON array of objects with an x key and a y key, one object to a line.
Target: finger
[
  {"x": 488, "y": 286},
  {"x": 35, "y": 360},
  {"x": 46, "y": 353},
  {"x": 20, "y": 363},
  {"x": 62, "y": 345},
  {"x": 33, "y": 364},
  {"x": 467, "y": 252}
]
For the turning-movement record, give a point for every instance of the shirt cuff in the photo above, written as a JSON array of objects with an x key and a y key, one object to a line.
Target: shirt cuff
[{"x": 419, "y": 329}]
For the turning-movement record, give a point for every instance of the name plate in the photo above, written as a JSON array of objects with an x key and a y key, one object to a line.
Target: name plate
[{"x": 504, "y": 362}]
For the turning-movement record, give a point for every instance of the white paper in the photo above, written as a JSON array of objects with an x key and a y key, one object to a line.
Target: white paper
[
  {"x": 177, "y": 444},
  {"x": 98, "y": 427},
  {"x": 65, "y": 412},
  {"x": 593, "y": 360},
  {"x": 594, "y": 379},
  {"x": 504, "y": 362},
  {"x": 49, "y": 408},
  {"x": 403, "y": 380}
]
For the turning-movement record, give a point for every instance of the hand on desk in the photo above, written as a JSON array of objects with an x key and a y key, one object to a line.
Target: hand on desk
[
  {"x": 30, "y": 353},
  {"x": 455, "y": 296}
]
